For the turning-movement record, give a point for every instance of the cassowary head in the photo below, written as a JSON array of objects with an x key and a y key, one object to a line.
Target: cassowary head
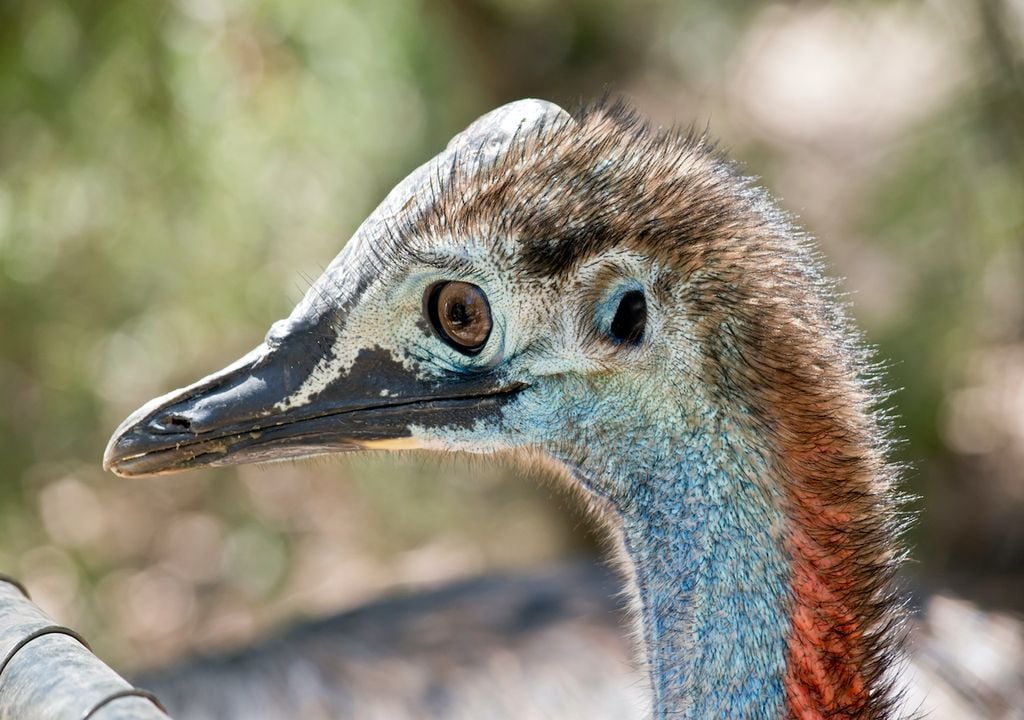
[{"x": 545, "y": 282}]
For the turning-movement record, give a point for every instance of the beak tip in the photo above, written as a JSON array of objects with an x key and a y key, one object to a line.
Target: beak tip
[
  {"x": 139, "y": 433},
  {"x": 116, "y": 453},
  {"x": 113, "y": 452},
  {"x": 129, "y": 452}
]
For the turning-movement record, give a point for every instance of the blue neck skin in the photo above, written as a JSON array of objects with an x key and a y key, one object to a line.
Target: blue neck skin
[{"x": 711, "y": 575}]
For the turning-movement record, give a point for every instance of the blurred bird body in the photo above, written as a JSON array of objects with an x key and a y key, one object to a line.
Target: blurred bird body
[
  {"x": 530, "y": 648},
  {"x": 658, "y": 329},
  {"x": 533, "y": 647}
]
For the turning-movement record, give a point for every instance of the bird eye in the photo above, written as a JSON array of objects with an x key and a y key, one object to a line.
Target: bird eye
[
  {"x": 460, "y": 314},
  {"x": 630, "y": 318}
]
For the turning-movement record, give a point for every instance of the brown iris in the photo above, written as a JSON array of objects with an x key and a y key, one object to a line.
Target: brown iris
[{"x": 460, "y": 314}]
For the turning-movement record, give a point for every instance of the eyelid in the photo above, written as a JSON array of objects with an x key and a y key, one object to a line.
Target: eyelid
[{"x": 610, "y": 299}]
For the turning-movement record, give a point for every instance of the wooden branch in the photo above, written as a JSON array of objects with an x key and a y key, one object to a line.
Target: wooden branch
[{"x": 47, "y": 671}]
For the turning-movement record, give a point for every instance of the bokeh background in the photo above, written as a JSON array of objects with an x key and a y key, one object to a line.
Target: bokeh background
[{"x": 174, "y": 174}]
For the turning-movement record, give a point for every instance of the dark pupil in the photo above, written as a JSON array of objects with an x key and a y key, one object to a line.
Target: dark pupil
[
  {"x": 459, "y": 314},
  {"x": 630, "y": 317}
]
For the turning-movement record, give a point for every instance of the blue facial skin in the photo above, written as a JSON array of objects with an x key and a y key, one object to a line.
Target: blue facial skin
[
  {"x": 686, "y": 484},
  {"x": 711, "y": 577},
  {"x": 697, "y": 521}
]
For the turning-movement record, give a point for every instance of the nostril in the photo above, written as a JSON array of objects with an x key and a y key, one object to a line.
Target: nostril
[{"x": 174, "y": 423}]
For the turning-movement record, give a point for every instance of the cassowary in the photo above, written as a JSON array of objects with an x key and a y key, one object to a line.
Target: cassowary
[{"x": 624, "y": 304}]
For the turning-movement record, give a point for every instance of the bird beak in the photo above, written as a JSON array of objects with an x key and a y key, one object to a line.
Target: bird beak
[{"x": 263, "y": 407}]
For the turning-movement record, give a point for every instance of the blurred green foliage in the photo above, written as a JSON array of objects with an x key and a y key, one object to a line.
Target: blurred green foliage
[{"x": 174, "y": 174}]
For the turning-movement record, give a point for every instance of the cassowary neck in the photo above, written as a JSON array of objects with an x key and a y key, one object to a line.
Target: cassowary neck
[
  {"x": 762, "y": 571},
  {"x": 711, "y": 579}
]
